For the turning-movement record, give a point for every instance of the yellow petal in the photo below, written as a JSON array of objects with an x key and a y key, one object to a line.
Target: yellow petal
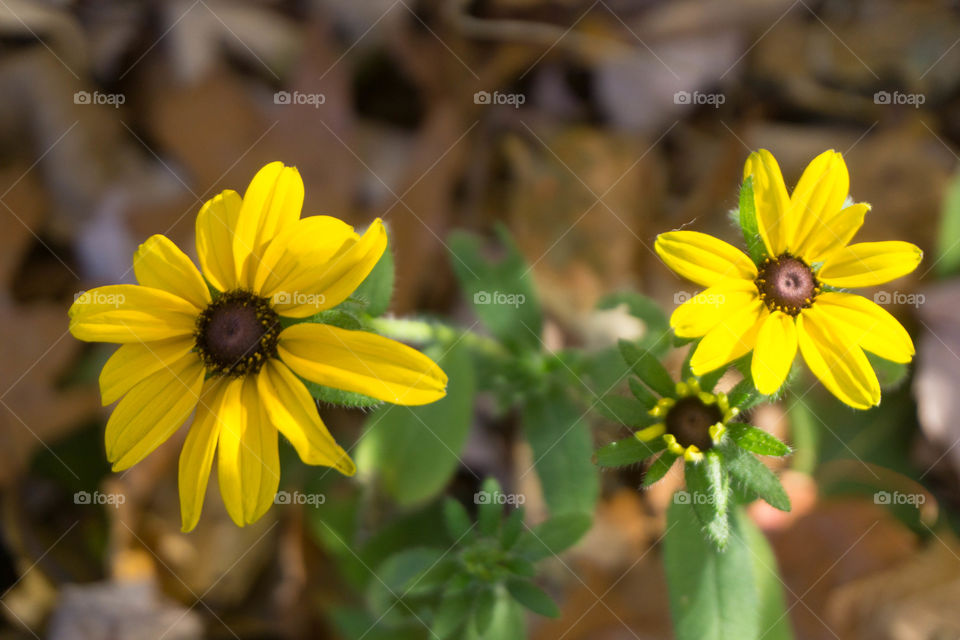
[
  {"x": 131, "y": 313},
  {"x": 196, "y": 458},
  {"x": 840, "y": 365},
  {"x": 160, "y": 264},
  {"x": 770, "y": 198},
  {"x": 133, "y": 362},
  {"x": 293, "y": 412},
  {"x": 152, "y": 411},
  {"x": 870, "y": 263},
  {"x": 834, "y": 233},
  {"x": 702, "y": 258},
  {"x": 710, "y": 307},
  {"x": 248, "y": 462},
  {"x": 271, "y": 204},
  {"x": 314, "y": 240},
  {"x": 729, "y": 340},
  {"x": 216, "y": 223},
  {"x": 868, "y": 325},
  {"x": 774, "y": 352},
  {"x": 308, "y": 279},
  {"x": 821, "y": 192},
  {"x": 362, "y": 362}
]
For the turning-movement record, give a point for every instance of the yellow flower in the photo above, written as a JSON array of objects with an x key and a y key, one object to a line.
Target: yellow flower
[
  {"x": 792, "y": 298},
  {"x": 228, "y": 355}
]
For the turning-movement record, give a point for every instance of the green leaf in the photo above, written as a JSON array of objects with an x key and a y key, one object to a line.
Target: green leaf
[
  {"x": 377, "y": 288},
  {"x": 712, "y": 593},
  {"x": 511, "y": 529},
  {"x": 805, "y": 433},
  {"x": 948, "y": 245},
  {"x": 656, "y": 326},
  {"x": 395, "y": 576},
  {"x": 774, "y": 622},
  {"x": 520, "y": 566},
  {"x": 340, "y": 397},
  {"x": 483, "y": 610},
  {"x": 755, "y": 476},
  {"x": 890, "y": 374},
  {"x": 452, "y": 612},
  {"x": 709, "y": 493},
  {"x": 506, "y": 620},
  {"x": 756, "y": 440},
  {"x": 659, "y": 468},
  {"x": 562, "y": 451},
  {"x": 648, "y": 368},
  {"x": 628, "y": 451},
  {"x": 623, "y": 410},
  {"x": 456, "y": 519},
  {"x": 748, "y": 222},
  {"x": 744, "y": 395},
  {"x": 415, "y": 450},
  {"x": 533, "y": 597},
  {"x": 489, "y": 508},
  {"x": 554, "y": 536},
  {"x": 502, "y": 292},
  {"x": 642, "y": 394}
]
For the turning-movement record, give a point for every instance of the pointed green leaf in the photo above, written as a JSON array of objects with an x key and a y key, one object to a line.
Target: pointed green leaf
[
  {"x": 712, "y": 593},
  {"x": 628, "y": 451},
  {"x": 452, "y": 612},
  {"x": 648, "y": 368},
  {"x": 708, "y": 490},
  {"x": 755, "y": 476},
  {"x": 489, "y": 507},
  {"x": 377, "y": 288},
  {"x": 483, "y": 610},
  {"x": 744, "y": 395},
  {"x": 456, "y": 518},
  {"x": 512, "y": 528},
  {"x": 756, "y": 440},
  {"x": 624, "y": 410},
  {"x": 642, "y": 394},
  {"x": 553, "y": 536},
  {"x": 748, "y": 222},
  {"x": 520, "y": 566},
  {"x": 659, "y": 468},
  {"x": 533, "y": 597}
]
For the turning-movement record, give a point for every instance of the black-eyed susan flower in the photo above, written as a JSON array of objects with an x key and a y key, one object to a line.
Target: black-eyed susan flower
[
  {"x": 793, "y": 296},
  {"x": 235, "y": 352},
  {"x": 691, "y": 421}
]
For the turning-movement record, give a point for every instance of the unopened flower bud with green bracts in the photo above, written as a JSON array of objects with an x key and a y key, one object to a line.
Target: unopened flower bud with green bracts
[{"x": 690, "y": 420}]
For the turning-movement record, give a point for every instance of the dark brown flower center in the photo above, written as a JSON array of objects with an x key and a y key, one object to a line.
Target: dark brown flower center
[
  {"x": 237, "y": 333},
  {"x": 689, "y": 420},
  {"x": 787, "y": 284}
]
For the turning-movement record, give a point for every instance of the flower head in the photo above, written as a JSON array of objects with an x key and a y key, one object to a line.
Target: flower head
[
  {"x": 792, "y": 297},
  {"x": 235, "y": 352}
]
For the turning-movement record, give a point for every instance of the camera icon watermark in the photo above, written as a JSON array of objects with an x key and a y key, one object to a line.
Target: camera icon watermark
[
  {"x": 97, "y": 97},
  {"x": 896, "y": 498},
  {"x": 695, "y": 497},
  {"x": 499, "y": 297},
  {"x": 297, "y": 97},
  {"x": 99, "y": 297},
  {"x": 699, "y": 98},
  {"x": 512, "y": 99},
  {"x": 498, "y": 497},
  {"x": 98, "y": 498},
  {"x": 297, "y": 497},
  {"x": 298, "y": 298},
  {"x": 898, "y": 297},
  {"x": 701, "y": 299},
  {"x": 890, "y": 98}
]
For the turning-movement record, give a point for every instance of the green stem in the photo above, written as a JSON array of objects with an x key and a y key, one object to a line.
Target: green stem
[{"x": 424, "y": 332}]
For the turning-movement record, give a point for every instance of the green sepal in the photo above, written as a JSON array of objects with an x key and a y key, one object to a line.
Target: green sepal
[
  {"x": 708, "y": 488},
  {"x": 533, "y": 598},
  {"x": 756, "y": 440},
  {"x": 628, "y": 451},
  {"x": 659, "y": 468},
  {"x": 755, "y": 476},
  {"x": 648, "y": 368}
]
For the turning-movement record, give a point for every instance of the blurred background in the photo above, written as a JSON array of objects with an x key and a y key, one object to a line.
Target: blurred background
[{"x": 586, "y": 127}]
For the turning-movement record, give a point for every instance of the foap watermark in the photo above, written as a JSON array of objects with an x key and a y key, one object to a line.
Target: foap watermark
[
  {"x": 296, "y": 497},
  {"x": 112, "y": 499},
  {"x": 898, "y": 97},
  {"x": 498, "y": 497},
  {"x": 98, "y": 97},
  {"x": 99, "y": 297},
  {"x": 299, "y": 298},
  {"x": 895, "y": 497},
  {"x": 499, "y": 297},
  {"x": 696, "y": 497},
  {"x": 298, "y": 97},
  {"x": 698, "y": 97},
  {"x": 512, "y": 99},
  {"x": 702, "y": 298},
  {"x": 898, "y": 297}
]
